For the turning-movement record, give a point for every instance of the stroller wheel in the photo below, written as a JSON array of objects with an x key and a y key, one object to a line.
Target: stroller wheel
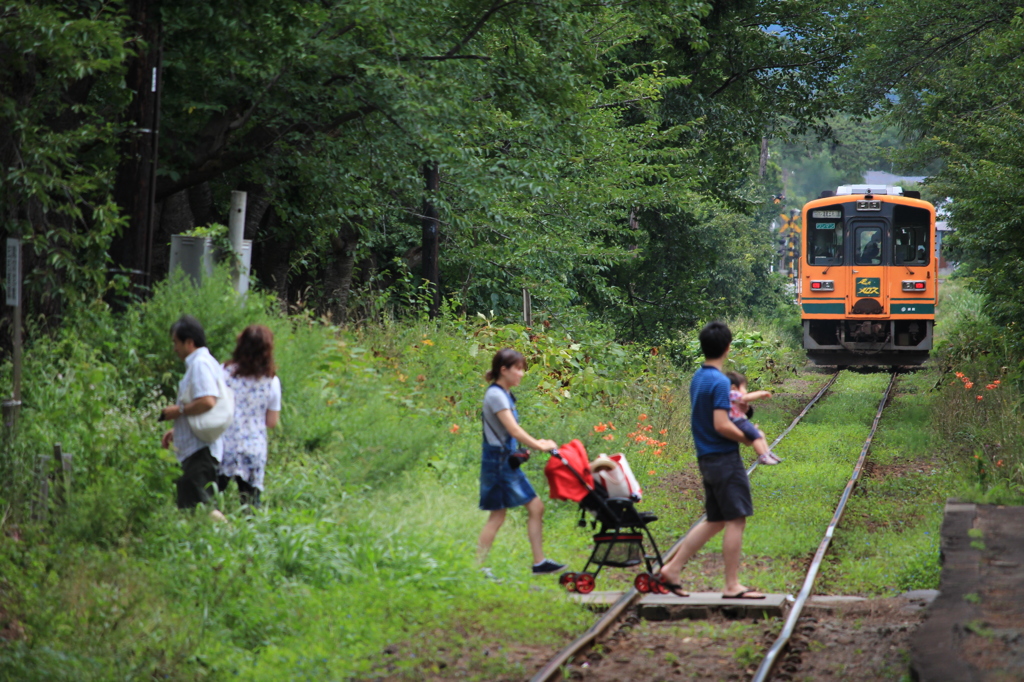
[
  {"x": 657, "y": 587},
  {"x": 642, "y": 583},
  {"x": 584, "y": 583},
  {"x": 568, "y": 581}
]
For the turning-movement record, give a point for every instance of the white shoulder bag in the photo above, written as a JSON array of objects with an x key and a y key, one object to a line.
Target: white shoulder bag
[{"x": 211, "y": 425}]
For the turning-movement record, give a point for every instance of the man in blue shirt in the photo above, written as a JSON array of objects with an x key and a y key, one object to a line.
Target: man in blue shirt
[{"x": 726, "y": 486}]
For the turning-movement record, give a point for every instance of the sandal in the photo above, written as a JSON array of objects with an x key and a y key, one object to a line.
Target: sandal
[
  {"x": 674, "y": 588},
  {"x": 745, "y": 594}
]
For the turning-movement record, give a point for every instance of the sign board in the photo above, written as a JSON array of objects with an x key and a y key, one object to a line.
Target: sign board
[
  {"x": 13, "y": 271},
  {"x": 869, "y": 286}
]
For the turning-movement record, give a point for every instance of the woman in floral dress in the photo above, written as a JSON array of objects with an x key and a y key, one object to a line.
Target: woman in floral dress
[{"x": 252, "y": 375}]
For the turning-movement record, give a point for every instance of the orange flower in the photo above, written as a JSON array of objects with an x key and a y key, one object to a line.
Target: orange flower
[
  {"x": 979, "y": 397},
  {"x": 608, "y": 437},
  {"x": 996, "y": 382},
  {"x": 968, "y": 385},
  {"x": 663, "y": 432},
  {"x": 428, "y": 342},
  {"x": 455, "y": 428},
  {"x": 600, "y": 428},
  {"x": 657, "y": 452},
  {"x": 960, "y": 375},
  {"x": 990, "y": 387},
  {"x": 999, "y": 463},
  {"x": 611, "y": 426},
  {"x": 652, "y": 472},
  {"x": 641, "y": 417}
]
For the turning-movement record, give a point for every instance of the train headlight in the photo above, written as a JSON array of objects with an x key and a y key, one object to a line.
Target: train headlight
[
  {"x": 823, "y": 285},
  {"x": 914, "y": 285}
]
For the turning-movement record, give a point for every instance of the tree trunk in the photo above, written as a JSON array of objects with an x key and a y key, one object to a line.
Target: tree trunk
[
  {"x": 271, "y": 257},
  {"x": 338, "y": 283},
  {"x": 175, "y": 218},
  {"x": 200, "y": 199}
]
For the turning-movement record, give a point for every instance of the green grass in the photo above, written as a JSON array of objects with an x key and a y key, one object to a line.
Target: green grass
[{"x": 362, "y": 562}]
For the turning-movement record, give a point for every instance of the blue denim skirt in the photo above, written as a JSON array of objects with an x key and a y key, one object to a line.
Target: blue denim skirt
[{"x": 501, "y": 486}]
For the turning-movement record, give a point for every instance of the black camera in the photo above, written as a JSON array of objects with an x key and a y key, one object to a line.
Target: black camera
[{"x": 518, "y": 458}]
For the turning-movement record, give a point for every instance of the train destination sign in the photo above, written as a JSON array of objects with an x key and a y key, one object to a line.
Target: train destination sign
[{"x": 826, "y": 214}]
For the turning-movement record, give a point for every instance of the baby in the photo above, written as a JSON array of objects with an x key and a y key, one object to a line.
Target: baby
[{"x": 738, "y": 411}]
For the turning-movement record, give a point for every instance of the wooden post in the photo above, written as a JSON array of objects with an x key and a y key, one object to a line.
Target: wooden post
[
  {"x": 42, "y": 510},
  {"x": 527, "y": 308},
  {"x": 12, "y": 407},
  {"x": 63, "y": 460},
  {"x": 431, "y": 270}
]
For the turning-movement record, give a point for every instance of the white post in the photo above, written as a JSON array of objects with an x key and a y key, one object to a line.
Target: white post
[{"x": 236, "y": 232}]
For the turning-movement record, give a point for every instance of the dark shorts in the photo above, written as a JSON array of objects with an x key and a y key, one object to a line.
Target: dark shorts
[
  {"x": 501, "y": 486},
  {"x": 726, "y": 486},
  {"x": 198, "y": 479},
  {"x": 748, "y": 429}
]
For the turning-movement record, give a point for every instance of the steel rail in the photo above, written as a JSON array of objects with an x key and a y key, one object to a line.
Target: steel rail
[
  {"x": 772, "y": 656},
  {"x": 554, "y": 665}
]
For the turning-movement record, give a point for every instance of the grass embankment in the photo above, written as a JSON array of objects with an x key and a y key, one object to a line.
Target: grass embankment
[{"x": 363, "y": 560}]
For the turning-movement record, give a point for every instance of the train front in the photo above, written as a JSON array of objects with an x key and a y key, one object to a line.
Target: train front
[{"x": 868, "y": 279}]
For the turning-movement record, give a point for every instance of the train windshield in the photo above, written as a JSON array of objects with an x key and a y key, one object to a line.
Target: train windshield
[
  {"x": 910, "y": 236},
  {"x": 825, "y": 242},
  {"x": 868, "y": 246}
]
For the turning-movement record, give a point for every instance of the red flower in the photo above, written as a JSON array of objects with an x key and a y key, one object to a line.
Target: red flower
[
  {"x": 600, "y": 428},
  {"x": 663, "y": 432},
  {"x": 455, "y": 428},
  {"x": 641, "y": 417},
  {"x": 608, "y": 437},
  {"x": 979, "y": 397}
]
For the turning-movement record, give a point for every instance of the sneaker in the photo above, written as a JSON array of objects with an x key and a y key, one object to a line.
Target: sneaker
[
  {"x": 547, "y": 566},
  {"x": 768, "y": 459}
]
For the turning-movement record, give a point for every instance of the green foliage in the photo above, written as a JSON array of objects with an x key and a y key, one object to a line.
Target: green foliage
[
  {"x": 952, "y": 88},
  {"x": 60, "y": 90},
  {"x": 760, "y": 351}
]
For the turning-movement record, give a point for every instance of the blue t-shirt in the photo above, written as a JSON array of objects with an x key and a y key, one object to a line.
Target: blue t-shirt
[{"x": 709, "y": 391}]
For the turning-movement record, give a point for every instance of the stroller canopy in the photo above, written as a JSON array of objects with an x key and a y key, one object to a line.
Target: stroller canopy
[{"x": 572, "y": 482}]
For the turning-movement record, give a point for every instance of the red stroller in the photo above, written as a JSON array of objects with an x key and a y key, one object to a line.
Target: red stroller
[{"x": 620, "y": 542}]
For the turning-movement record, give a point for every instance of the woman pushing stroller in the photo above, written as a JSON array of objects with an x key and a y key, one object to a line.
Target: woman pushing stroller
[{"x": 502, "y": 482}]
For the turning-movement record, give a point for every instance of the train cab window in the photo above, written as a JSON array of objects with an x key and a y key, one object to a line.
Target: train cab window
[
  {"x": 868, "y": 246},
  {"x": 825, "y": 243},
  {"x": 910, "y": 236}
]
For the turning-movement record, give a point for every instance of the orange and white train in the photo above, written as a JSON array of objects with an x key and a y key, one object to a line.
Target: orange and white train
[{"x": 867, "y": 284}]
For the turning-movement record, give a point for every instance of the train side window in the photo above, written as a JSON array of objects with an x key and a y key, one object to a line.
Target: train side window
[
  {"x": 911, "y": 236},
  {"x": 825, "y": 243},
  {"x": 910, "y": 246},
  {"x": 868, "y": 246}
]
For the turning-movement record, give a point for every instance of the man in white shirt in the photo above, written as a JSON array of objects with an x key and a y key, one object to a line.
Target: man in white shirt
[{"x": 199, "y": 460}]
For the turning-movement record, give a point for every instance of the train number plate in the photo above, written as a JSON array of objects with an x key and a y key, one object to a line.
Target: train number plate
[{"x": 869, "y": 286}]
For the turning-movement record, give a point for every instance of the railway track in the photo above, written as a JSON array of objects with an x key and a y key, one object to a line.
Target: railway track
[{"x": 621, "y": 609}]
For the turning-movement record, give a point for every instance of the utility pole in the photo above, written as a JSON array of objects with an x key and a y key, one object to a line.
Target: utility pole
[
  {"x": 431, "y": 271},
  {"x": 135, "y": 186}
]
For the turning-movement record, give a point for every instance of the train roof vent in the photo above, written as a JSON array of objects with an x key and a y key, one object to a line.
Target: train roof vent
[{"x": 869, "y": 189}]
